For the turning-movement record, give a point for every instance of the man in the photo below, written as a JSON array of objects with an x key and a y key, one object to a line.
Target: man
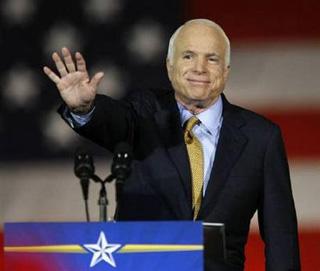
[{"x": 223, "y": 167}]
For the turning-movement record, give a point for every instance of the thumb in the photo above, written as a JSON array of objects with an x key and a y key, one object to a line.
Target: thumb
[{"x": 96, "y": 79}]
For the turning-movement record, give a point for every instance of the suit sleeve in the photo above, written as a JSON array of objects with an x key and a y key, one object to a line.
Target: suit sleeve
[
  {"x": 111, "y": 122},
  {"x": 276, "y": 212}
]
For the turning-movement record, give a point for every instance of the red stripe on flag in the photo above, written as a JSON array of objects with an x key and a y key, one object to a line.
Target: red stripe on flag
[
  {"x": 309, "y": 251},
  {"x": 301, "y": 131},
  {"x": 260, "y": 19}
]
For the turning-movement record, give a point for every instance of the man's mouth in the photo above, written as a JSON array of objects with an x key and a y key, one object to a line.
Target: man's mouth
[{"x": 200, "y": 82}]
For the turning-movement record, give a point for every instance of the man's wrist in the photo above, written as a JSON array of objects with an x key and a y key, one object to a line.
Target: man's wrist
[{"x": 82, "y": 110}]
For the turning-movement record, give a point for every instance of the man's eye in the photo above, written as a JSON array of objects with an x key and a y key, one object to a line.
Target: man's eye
[
  {"x": 187, "y": 57},
  {"x": 213, "y": 59}
]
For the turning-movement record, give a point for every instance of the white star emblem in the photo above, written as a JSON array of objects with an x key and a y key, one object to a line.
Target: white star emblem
[{"x": 102, "y": 251}]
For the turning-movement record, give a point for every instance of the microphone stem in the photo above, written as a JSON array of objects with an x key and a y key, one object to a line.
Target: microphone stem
[
  {"x": 103, "y": 202},
  {"x": 85, "y": 187},
  {"x": 87, "y": 210}
]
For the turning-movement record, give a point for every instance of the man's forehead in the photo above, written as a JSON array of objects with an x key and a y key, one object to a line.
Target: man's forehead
[
  {"x": 197, "y": 33},
  {"x": 206, "y": 42}
]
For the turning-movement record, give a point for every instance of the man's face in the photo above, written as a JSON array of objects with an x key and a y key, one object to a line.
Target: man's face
[{"x": 198, "y": 71}]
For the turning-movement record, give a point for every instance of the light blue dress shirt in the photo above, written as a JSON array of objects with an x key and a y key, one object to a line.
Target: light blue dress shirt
[
  {"x": 76, "y": 120},
  {"x": 207, "y": 132}
]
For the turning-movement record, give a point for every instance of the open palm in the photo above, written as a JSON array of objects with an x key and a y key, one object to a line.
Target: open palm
[{"x": 74, "y": 84}]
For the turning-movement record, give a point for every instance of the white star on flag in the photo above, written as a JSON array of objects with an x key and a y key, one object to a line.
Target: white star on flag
[{"x": 102, "y": 251}]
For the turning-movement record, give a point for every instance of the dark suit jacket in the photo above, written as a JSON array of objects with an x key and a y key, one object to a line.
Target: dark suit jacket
[{"x": 250, "y": 172}]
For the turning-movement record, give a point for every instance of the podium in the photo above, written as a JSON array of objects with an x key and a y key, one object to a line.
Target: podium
[{"x": 115, "y": 246}]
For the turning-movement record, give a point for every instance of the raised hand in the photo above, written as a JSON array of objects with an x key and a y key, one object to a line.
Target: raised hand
[{"x": 74, "y": 84}]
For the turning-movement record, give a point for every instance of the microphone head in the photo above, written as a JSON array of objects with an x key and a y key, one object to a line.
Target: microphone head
[
  {"x": 121, "y": 161},
  {"x": 83, "y": 164}
]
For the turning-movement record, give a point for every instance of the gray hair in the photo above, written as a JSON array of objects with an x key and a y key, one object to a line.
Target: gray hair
[{"x": 206, "y": 22}]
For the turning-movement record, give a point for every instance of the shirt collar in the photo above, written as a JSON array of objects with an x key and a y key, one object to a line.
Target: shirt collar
[{"x": 210, "y": 118}]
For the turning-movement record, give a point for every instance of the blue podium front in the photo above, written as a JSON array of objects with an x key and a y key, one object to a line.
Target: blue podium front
[{"x": 118, "y": 246}]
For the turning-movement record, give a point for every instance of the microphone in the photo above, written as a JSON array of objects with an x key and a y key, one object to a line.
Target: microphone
[
  {"x": 121, "y": 166},
  {"x": 83, "y": 169},
  {"x": 121, "y": 169}
]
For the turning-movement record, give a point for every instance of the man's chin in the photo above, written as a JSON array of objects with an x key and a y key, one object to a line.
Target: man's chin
[
  {"x": 203, "y": 102},
  {"x": 198, "y": 97}
]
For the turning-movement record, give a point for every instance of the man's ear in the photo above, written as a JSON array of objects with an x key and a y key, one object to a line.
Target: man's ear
[{"x": 226, "y": 72}]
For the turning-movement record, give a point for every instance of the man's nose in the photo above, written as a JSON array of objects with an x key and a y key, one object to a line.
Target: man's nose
[{"x": 200, "y": 65}]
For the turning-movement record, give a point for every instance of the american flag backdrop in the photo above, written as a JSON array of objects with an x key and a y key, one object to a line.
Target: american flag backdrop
[{"x": 275, "y": 62}]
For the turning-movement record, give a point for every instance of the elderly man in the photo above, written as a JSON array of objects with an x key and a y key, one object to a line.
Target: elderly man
[{"x": 196, "y": 156}]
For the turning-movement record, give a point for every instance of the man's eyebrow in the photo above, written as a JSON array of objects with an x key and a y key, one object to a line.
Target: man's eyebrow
[
  {"x": 188, "y": 52},
  {"x": 212, "y": 54}
]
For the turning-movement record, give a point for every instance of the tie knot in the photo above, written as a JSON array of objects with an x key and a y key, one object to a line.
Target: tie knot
[
  {"x": 188, "y": 136},
  {"x": 191, "y": 123}
]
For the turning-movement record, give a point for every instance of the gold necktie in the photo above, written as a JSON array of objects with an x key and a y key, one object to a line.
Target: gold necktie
[{"x": 195, "y": 153}]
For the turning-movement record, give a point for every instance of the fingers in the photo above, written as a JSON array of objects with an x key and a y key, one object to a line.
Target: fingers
[
  {"x": 55, "y": 78},
  {"x": 59, "y": 64},
  {"x": 68, "y": 59},
  {"x": 66, "y": 66},
  {"x": 95, "y": 81},
  {"x": 81, "y": 64}
]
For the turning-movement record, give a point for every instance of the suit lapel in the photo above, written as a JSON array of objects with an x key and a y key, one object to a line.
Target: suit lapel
[
  {"x": 168, "y": 120},
  {"x": 230, "y": 145}
]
